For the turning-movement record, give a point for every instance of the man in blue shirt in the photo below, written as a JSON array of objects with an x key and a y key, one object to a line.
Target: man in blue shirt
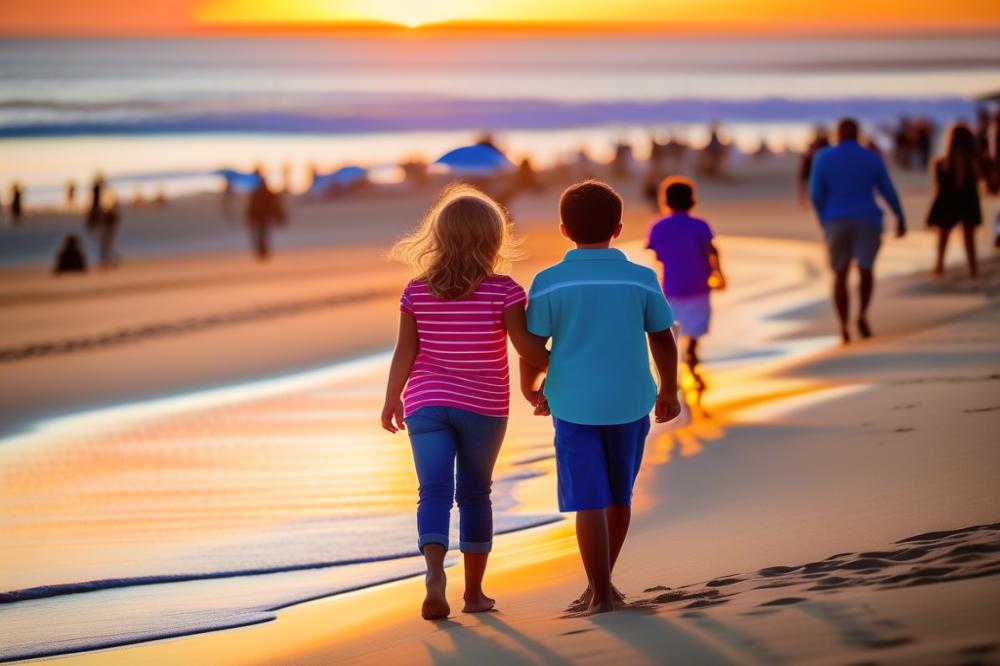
[
  {"x": 600, "y": 309},
  {"x": 842, "y": 187}
]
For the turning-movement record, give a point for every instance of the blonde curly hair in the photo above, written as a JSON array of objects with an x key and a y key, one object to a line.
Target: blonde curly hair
[{"x": 463, "y": 239}]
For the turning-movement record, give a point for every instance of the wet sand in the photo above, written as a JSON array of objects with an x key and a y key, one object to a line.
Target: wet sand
[{"x": 813, "y": 466}]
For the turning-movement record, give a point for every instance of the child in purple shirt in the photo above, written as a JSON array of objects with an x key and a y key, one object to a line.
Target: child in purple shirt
[{"x": 684, "y": 245}]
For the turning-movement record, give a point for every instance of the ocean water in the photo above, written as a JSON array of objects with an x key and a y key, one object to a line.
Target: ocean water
[
  {"x": 215, "y": 509},
  {"x": 165, "y": 112}
]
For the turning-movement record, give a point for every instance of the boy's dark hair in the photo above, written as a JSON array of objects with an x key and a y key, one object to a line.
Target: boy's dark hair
[
  {"x": 677, "y": 193},
  {"x": 590, "y": 211}
]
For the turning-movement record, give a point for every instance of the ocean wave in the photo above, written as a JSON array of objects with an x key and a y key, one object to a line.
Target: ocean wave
[
  {"x": 506, "y": 524},
  {"x": 472, "y": 114}
]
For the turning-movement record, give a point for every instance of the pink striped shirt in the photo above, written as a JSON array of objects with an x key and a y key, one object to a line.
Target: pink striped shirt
[{"x": 462, "y": 359}]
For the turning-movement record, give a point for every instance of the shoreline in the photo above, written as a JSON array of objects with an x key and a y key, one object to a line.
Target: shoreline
[
  {"x": 525, "y": 560},
  {"x": 771, "y": 359},
  {"x": 792, "y": 395}
]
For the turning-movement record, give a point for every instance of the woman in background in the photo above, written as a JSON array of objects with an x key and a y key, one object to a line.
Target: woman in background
[{"x": 956, "y": 199}]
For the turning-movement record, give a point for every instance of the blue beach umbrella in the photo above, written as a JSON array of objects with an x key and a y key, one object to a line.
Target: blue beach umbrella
[
  {"x": 244, "y": 182},
  {"x": 343, "y": 177},
  {"x": 476, "y": 160}
]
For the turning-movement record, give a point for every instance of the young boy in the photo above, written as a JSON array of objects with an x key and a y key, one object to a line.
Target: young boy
[
  {"x": 599, "y": 308},
  {"x": 685, "y": 247}
]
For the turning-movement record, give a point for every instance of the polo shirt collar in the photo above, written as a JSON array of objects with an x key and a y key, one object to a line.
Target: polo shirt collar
[{"x": 603, "y": 254}]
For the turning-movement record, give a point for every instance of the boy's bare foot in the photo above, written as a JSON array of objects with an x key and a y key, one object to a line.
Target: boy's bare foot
[
  {"x": 479, "y": 604},
  {"x": 584, "y": 601},
  {"x": 595, "y": 608},
  {"x": 863, "y": 328},
  {"x": 435, "y": 606}
]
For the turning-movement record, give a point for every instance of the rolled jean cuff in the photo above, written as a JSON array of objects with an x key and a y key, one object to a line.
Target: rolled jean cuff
[
  {"x": 474, "y": 547},
  {"x": 432, "y": 538}
]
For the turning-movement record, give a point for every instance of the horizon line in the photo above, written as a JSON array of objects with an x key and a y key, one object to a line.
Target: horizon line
[{"x": 676, "y": 29}]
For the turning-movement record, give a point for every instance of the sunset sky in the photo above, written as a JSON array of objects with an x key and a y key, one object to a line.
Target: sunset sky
[{"x": 172, "y": 16}]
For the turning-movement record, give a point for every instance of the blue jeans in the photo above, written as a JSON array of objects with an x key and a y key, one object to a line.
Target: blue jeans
[{"x": 440, "y": 437}]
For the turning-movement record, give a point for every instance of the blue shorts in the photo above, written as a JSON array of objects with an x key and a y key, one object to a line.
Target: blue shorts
[
  {"x": 693, "y": 313},
  {"x": 597, "y": 464}
]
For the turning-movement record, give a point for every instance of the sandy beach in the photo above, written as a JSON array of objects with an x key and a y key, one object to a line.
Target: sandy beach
[{"x": 826, "y": 505}]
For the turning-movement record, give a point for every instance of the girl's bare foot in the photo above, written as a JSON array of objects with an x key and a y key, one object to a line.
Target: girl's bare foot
[
  {"x": 478, "y": 603},
  {"x": 435, "y": 606},
  {"x": 937, "y": 272},
  {"x": 863, "y": 328}
]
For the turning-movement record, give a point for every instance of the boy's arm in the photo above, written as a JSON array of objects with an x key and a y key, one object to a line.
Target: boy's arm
[
  {"x": 664, "y": 350},
  {"x": 716, "y": 264},
  {"x": 407, "y": 344}
]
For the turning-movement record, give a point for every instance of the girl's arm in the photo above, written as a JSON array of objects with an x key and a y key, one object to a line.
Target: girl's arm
[
  {"x": 531, "y": 383},
  {"x": 530, "y": 347},
  {"x": 407, "y": 344}
]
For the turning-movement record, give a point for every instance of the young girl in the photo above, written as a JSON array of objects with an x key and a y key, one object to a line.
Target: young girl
[{"x": 451, "y": 357}]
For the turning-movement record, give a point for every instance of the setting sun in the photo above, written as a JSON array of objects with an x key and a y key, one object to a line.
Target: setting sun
[
  {"x": 413, "y": 14},
  {"x": 402, "y": 12}
]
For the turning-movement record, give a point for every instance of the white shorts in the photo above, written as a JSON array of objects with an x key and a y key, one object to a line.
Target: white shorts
[{"x": 693, "y": 314}]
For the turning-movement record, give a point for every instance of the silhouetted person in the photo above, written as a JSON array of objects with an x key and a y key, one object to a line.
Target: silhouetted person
[
  {"x": 584, "y": 164},
  {"x": 16, "y": 203},
  {"x": 69, "y": 258},
  {"x": 982, "y": 136},
  {"x": 820, "y": 140},
  {"x": 621, "y": 160},
  {"x": 713, "y": 155},
  {"x": 526, "y": 178},
  {"x": 160, "y": 198},
  {"x": 842, "y": 187},
  {"x": 70, "y": 195},
  {"x": 993, "y": 176},
  {"x": 107, "y": 231},
  {"x": 903, "y": 143},
  {"x": 674, "y": 153},
  {"x": 956, "y": 198},
  {"x": 228, "y": 200},
  {"x": 263, "y": 212},
  {"x": 487, "y": 139},
  {"x": 923, "y": 139},
  {"x": 94, "y": 212}
]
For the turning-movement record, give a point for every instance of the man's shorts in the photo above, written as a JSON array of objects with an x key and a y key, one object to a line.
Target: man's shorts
[
  {"x": 852, "y": 240},
  {"x": 597, "y": 464}
]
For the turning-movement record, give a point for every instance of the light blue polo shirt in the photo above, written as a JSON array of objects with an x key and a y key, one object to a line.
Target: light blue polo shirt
[{"x": 597, "y": 307}]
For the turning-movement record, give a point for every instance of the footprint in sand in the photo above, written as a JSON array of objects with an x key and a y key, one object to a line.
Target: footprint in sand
[{"x": 923, "y": 559}]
